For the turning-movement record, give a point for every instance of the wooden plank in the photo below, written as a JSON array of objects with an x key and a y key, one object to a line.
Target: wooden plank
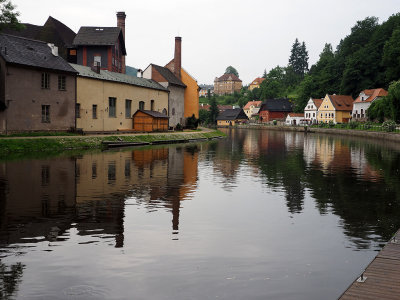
[{"x": 383, "y": 276}]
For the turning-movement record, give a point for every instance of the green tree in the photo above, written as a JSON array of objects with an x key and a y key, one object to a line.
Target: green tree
[
  {"x": 274, "y": 85},
  {"x": 394, "y": 100},
  {"x": 231, "y": 70},
  {"x": 213, "y": 113},
  {"x": 298, "y": 60},
  {"x": 204, "y": 116},
  {"x": 391, "y": 56},
  {"x": 8, "y": 16}
]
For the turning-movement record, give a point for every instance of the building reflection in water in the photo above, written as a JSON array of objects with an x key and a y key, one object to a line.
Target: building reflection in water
[{"x": 42, "y": 199}]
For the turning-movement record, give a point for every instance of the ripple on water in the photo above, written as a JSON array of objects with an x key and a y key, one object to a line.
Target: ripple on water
[{"x": 84, "y": 292}]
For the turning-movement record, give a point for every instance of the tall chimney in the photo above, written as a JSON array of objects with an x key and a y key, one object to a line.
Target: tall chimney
[
  {"x": 178, "y": 57},
  {"x": 121, "y": 24}
]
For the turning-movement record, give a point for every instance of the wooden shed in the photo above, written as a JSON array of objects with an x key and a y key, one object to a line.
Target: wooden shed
[{"x": 148, "y": 121}]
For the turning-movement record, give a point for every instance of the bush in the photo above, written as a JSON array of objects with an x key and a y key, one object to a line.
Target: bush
[
  {"x": 352, "y": 124},
  {"x": 368, "y": 125},
  {"x": 321, "y": 124},
  {"x": 331, "y": 124},
  {"x": 389, "y": 126},
  {"x": 178, "y": 127},
  {"x": 275, "y": 122},
  {"x": 192, "y": 122}
]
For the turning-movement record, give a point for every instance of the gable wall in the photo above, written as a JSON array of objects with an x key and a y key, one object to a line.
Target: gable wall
[{"x": 24, "y": 97}]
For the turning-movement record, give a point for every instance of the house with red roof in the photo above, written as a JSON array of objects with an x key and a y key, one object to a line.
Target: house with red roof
[
  {"x": 363, "y": 102},
  {"x": 256, "y": 83},
  {"x": 252, "y": 108},
  {"x": 336, "y": 109},
  {"x": 227, "y": 84},
  {"x": 311, "y": 110},
  {"x": 275, "y": 109}
]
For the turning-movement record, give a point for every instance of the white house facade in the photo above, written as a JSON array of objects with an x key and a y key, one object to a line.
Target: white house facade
[{"x": 311, "y": 110}]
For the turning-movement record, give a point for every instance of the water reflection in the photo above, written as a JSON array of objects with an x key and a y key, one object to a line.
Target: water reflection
[{"x": 89, "y": 199}]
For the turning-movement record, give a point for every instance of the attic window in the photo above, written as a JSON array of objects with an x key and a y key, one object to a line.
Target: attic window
[
  {"x": 99, "y": 29},
  {"x": 29, "y": 48}
]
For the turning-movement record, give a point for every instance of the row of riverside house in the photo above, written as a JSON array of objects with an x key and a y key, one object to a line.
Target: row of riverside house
[
  {"x": 332, "y": 108},
  {"x": 52, "y": 79},
  {"x": 337, "y": 108}
]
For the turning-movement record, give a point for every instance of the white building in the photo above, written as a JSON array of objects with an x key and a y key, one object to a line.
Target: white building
[
  {"x": 294, "y": 119},
  {"x": 363, "y": 102},
  {"x": 311, "y": 110}
]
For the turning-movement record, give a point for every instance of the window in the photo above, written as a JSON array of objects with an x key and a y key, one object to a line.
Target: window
[
  {"x": 164, "y": 111},
  {"x": 173, "y": 111},
  {"x": 45, "y": 80},
  {"x": 45, "y": 113},
  {"x": 141, "y": 105},
  {"x": 112, "y": 105},
  {"x": 61, "y": 83},
  {"x": 128, "y": 108},
  {"x": 94, "y": 111},
  {"x": 78, "y": 110},
  {"x": 97, "y": 60},
  {"x": 152, "y": 105}
]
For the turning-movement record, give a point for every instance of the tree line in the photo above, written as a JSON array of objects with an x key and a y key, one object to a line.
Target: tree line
[{"x": 367, "y": 58}]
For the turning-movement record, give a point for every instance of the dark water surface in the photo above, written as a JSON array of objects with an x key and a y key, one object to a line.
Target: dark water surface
[{"x": 258, "y": 215}]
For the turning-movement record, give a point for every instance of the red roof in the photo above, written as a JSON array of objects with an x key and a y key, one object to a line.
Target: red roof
[
  {"x": 342, "y": 102},
  {"x": 229, "y": 76},
  {"x": 372, "y": 95},
  {"x": 250, "y": 103},
  {"x": 296, "y": 115},
  {"x": 317, "y": 102}
]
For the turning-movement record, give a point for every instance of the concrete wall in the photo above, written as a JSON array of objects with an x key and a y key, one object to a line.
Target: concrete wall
[
  {"x": 176, "y": 105},
  {"x": 97, "y": 92},
  {"x": 24, "y": 98}
]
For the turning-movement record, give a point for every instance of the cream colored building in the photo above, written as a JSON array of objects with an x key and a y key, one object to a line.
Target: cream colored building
[
  {"x": 335, "y": 109},
  {"x": 107, "y": 100}
]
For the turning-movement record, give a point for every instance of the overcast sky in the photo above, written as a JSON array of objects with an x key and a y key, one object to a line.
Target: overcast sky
[{"x": 249, "y": 35}]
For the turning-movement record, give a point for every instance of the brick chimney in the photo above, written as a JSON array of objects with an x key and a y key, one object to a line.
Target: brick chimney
[
  {"x": 121, "y": 24},
  {"x": 178, "y": 57}
]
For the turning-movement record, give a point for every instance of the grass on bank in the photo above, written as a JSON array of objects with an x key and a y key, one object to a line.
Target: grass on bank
[{"x": 57, "y": 144}]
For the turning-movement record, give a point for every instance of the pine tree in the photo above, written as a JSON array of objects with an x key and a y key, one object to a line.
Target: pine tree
[{"x": 213, "y": 110}]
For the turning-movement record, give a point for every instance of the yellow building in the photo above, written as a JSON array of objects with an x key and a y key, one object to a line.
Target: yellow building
[
  {"x": 106, "y": 101},
  {"x": 336, "y": 109},
  {"x": 256, "y": 83},
  {"x": 191, "y": 94}
]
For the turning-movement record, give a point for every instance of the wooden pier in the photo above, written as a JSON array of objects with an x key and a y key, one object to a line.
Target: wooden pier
[{"x": 381, "y": 279}]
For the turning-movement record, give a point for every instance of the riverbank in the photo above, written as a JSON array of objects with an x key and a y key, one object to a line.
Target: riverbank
[
  {"x": 388, "y": 136},
  {"x": 12, "y": 145}
]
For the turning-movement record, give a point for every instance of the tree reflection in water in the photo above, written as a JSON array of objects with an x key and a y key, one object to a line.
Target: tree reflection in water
[{"x": 10, "y": 278}]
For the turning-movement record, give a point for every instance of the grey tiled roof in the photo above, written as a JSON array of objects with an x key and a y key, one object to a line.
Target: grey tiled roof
[
  {"x": 153, "y": 113},
  {"x": 277, "y": 105},
  {"x": 168, "y": 75},
  {"x": 98, "y": 36},
  {"x": 118, "y": 77},
  {"x": 232, "y": 114},
  {"x": 31, "y": 53}
]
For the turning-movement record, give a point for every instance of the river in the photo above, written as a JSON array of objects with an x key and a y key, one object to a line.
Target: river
[{"x": 258, "y": 215}]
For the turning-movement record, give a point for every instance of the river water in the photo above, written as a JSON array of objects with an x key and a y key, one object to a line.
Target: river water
[{"x": 257, "y": 215}]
